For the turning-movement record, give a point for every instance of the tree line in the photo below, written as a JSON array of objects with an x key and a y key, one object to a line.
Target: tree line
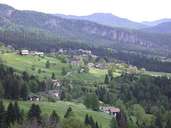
[{"x": 15, "y": 85}]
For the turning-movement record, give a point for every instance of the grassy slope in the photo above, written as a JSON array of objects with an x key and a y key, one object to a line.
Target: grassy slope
[
  {"x": 157, "y": 73},
  {"x": 60, "y": 107},
  {"x": 25, "y": 63}
]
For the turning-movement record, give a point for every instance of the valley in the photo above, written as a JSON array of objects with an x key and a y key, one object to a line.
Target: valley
[{"x": 92, "y": 71}]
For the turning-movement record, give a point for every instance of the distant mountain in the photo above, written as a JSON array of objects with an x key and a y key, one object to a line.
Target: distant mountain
[
  {"x": 6, "y": 10},
  {"x": 35, "y": 30},
  {"x": 157, "y": 22},
  {"x": 107, "y": 19},
  {"x": 160, "y": 28}
]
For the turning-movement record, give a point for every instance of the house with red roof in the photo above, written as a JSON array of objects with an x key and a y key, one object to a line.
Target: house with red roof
[{"x": 110, "y": 110}]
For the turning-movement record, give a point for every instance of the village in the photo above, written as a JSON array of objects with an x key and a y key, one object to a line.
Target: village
[{"x": 76, "y": 58}]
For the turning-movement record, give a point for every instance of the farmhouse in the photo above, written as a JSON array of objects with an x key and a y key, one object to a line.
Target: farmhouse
[
  {"x": 56, "y": 83},
  {"x": 76, "y": 60},
  {"x": 34, "y": 98},
  {"x": 90, "y": 65},
  {"x": 54, "y": 93},
  {"x": 61, "y": 51},
  {"x": 36, "y": 53},
  {"x": 110, "y": 110},
  {"x": 24, "y": 52},
  {"x": 84, "y": 51},
  {"x": 39, "y": 53},
  {"x": 101, "y": 66}
]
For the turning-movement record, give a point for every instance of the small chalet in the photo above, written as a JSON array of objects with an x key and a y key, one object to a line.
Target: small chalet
[
  {"x": 110, "y": 110},
  {"x": 84, "y": 51},
  {"x": 56, "y": 83},
  {"x": 36, "y": 53},
  {"x": 24, "y": 52},
  {"x": 101, "y": 66},
  {"x": 39, "y": 53},
  {"x": 75, "y": 61},
  {"x": 61, "y": 51},
  {"x": 90, "y": 65},
  {"x": 54, "y": 93}
]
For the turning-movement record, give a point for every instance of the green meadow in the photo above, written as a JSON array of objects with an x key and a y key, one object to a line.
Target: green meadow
[
  {"x": 61, "y": 107},
  {"x": 36, "y": 65}
]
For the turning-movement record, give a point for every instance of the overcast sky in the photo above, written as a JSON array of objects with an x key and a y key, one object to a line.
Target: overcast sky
[{"x": 137, "y": 10}]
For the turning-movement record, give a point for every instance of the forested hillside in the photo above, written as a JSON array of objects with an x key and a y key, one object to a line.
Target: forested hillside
[{"x": 39, "y": 30}]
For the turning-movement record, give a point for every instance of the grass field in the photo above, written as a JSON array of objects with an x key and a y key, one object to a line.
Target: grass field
[
  {"x": 157, "y": 73},
  {"x": 27, "y": 63},
  {"x": 60, "y": 107},
  {"x": 32, "y": 64}
]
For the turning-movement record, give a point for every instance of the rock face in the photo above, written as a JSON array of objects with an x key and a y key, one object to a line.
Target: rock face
[{"x": 118, "y": 35}]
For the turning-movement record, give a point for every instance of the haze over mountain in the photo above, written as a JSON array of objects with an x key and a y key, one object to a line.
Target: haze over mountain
[
  {"x": 107, "y": 19},
  {"x": 160, "y": 28},
  {"x": 45, "y": 32},
  {"x": 156, "y": 22}
]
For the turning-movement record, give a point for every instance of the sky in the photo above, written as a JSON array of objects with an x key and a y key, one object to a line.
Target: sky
[{"x": 136, "y": 10}]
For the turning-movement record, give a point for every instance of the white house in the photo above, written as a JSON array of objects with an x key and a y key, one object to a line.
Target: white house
[
  {"x": 24, "y": 52},
  {"x": 34, "y": 98},
  {"x": 39, "y": 53},
  {"x": 90, "y": 65},
  {"x": 56, "y": 83}
]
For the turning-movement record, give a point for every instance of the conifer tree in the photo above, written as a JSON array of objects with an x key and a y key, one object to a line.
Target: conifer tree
[
  {"x": 34, "y": 113},
  {"x": 54, "y": 119},
  {"x": 17, "y": 112},
  {"x": 24, "y": 92},
  {"x": 86, "y": 120},
  {"x": 47, "y": 65},
  {"x": 106, "y": 79},
  {"x": 2, "y": 116},
  {"x": 92, "y": 123},
  {"x": 113, "y": 123},
  {"x": 10, "y": 114},
  {"x": 68, "y": 112},
  {"x": 97, "y": 125},
  {"x": 25, "y": 76},
  {"x": 53, "y": 75}
]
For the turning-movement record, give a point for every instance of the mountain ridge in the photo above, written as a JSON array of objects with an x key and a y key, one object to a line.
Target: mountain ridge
[{"x": 107, "y": 19}]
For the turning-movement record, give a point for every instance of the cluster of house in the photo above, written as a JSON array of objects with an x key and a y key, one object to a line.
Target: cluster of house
[
  {"x": 98, "y": 65},
  {"x": 110, "y": 110},
  {"x": 56, "y": 84},
  {"x": 27, "y": 52},
  {"x": 75, "y": 60},
  {"x": 82, "y": 51},
  {"x": 75, "y": 51}
]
